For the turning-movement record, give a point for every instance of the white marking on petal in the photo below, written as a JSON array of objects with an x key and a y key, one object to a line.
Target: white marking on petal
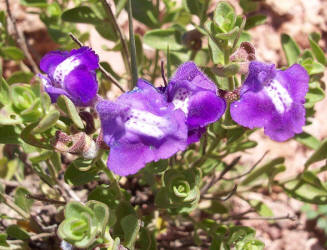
[
  {"x": 181, "y": 99},
  {"x": 64, "y": 68},
  {"x": 279, "y": 96},
  {"x": 146, "y": 123}
]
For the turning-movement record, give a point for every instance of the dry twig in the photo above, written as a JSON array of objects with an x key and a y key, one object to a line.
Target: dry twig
[
  {"x": 21, "y": 40},
  {"x": 106, "y": 73}
]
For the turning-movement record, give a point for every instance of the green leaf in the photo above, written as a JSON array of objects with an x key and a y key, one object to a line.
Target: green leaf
[
  {"x": 194, "y": 7},
  {"x": 313, "y": 96},
  {"x": 27, "y": 137},
  {"x": 8, "y": 168},
  {"x": 16, "y": 232},
  {"x": 77, "y": 178},
  {"x": 318, "y": 155},
  {"x": 34, "y": 3},
  {"x": 14, "y": 53},
  {"x": 131, "y": 226},
  {"x": 81, "y": 14},
  {"x": 249, "y": 5},
  {"x": 229, "y": 35},
  {"x": 69, "y": 108},
  {"x": 4, "y": 92},
  {"x": 308, "y": 140},
  {"x": 307, "y": 188},
  {"x": 45, "y": 102},
  {"x": 162, "y": 39},
  {"x": 318, "y": 52},
  {"x": 20, "y": 77},
  {"x": 46, "y": 122},
  {"x": 254, "y": 21},
  {"x": 225, "y": 16},
  {"x": 106, "y": 31},
  {"x": 108, "y": 195},
  {"x": 3, "y": 240},
  {"x": 261, "y": 208},
  {"x": 291, "y": 49},
  {"x": 157, "y": 167},
  {"x": 43, "y": 156},
  {"x": 266, "y": 170},
  {"x": 144, "y": 12},
  {"x": 312, "y": 67},
  {"x": 101, "y": 214},
  {"x": 9, "y": 135},
  {"x": 21, "y": 200}
]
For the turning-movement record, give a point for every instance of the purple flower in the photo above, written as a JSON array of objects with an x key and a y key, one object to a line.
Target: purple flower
[
  {"x": 273, "y": 99},
  {"x": 191, "y": 91},
  {"x": 71, "y": 74},
  {"x": 141, "y": 127}
]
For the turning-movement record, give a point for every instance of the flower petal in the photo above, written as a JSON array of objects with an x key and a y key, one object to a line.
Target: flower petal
[
  {"x": 272, "y": 99},
  {"x": 87, "y": 57},
  {"x": 50, "y": 61},
  {"x": 205, "y": 107},
  {"x": 253, "y": 110},
  {"x": 141, "y": 127},
  {"x": 54, "y": 93},
  {"x": 284, "y": 126},
  {"x": 295, "y": 79},
  {"x": 81, "y": 85},
  {"x": 191, "y": 73}
]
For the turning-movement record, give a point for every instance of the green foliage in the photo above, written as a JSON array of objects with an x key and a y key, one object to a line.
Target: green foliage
[
  {"x": 291, "y": 49},
  {"x": 83, "y": 223},
  {"x": 180, "y": 192}
]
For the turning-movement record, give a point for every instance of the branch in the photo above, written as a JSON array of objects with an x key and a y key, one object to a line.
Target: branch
[
  {"x": 21, "y": 40},
  {"x": 106, "y": 73},
  {"x": 163, "y": 73},
  {"x": 285, "y": 217},
  {"x": 227, "y": 197},
  {"x": 249, "y": 171},
  {"x": 41, "y": 198},
  {"x": 125, "y": 52},
  {"x": 215, "y": 179}
]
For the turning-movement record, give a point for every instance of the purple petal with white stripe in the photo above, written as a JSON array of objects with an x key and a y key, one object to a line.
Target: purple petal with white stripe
[
  {"x": 191, "y": 91},
  {"x": 273, "y": 99},
  {"x": 141, "y": 127},
  {"x": 72, "y": 72}
]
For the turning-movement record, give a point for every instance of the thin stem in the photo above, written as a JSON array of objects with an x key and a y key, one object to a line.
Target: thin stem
[
  {"x": 111, "y": 177},
  {"x": 285, "y": 217},
  {"x": 132, "y": 45},
  {"x": 103, "y": 71},
  {"x": 249, "y": 171},
  {"x": 21, "y": 40},
  {"x": 41, "y": 198},
  {"x": 156, "y": 59},
  {"x": 7, "y": 200},
  {"x": 125, "y": 52},
  {"x": 204, "y": 15},
  {"x": 163, "y": 74}
]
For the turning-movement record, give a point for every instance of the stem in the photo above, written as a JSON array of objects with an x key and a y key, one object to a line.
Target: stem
[
  {"x": 7, "y": 200},
  {"x": 21, "y": 40},
  {"x": 204, "y": 12},
  {"x": 125, "y": 52},
  {"x": 103, "y": 71},
  {"x": 41, "y": 198},
  {"x": 153, "y": 77},
  {"x": 111, "y": 177},
  {"x": 132, "y": 44}
]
